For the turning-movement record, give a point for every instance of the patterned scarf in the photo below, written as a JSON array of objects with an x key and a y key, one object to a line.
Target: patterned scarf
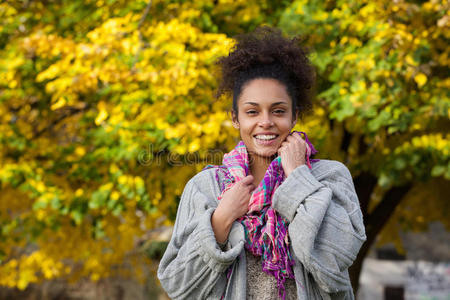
[{"x": 266, "y": 232}]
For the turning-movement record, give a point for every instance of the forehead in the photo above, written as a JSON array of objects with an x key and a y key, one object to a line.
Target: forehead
[{"x": 264, "y": 91}]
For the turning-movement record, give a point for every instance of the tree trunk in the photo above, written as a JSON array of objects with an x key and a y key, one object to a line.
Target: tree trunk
[
  {"x": 355, "y": 269},
  {"x": 374, "y": 222}
]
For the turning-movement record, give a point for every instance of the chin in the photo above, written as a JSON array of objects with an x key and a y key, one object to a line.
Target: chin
[{"x": 266, "y": 153}]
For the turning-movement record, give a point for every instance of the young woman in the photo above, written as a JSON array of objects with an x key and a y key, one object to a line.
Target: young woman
[{"x": 269, "y": 223}]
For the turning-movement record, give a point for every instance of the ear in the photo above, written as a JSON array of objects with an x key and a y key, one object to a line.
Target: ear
[{"x": 234, "y": 120}]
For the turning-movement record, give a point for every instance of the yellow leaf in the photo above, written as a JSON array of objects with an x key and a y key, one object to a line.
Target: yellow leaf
[
  {"x": 420, "y": 79},
  {"x": 102, "y": 115},
  {"x": 80, "y": 151},
  {"x": 78, "y": 192},
  {"x": 115, "y": 195},
  {"x": 410, "y": 60},
  {"x": 60, "y": 103},
  {"x": 194, "y": 145},
  {"x": 122, "y": 179},
  {"x": 12, "y": 84},
  {"x": 299, "y": 9},
  {"x": 138, "y": 181}
]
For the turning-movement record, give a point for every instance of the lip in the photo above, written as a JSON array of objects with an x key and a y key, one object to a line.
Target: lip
[{"x": 263, "y": 142}]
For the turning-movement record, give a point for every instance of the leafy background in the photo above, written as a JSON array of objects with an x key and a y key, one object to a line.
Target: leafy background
[{"x": 107, "y": 109}]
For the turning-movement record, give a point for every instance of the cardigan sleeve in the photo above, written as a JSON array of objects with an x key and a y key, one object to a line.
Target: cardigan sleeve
[
  {"x": 193, "y": 262},
  {"x": 326, "y": 226}
]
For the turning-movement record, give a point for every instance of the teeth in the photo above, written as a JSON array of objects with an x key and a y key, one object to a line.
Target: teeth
[{"x": 265, "y": 137}]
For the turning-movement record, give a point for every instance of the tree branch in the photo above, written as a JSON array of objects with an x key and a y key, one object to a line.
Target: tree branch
[
  {"x": 364, "y": 186},
  {"x": 144, "y": 15},
  {"x": 141, "y": 38},
  {"x": 384, "y": 210},
  {"x": 346, "y": 138},
  {"x": 72, "y": 111},
  {"x": 375, "y": 223}
]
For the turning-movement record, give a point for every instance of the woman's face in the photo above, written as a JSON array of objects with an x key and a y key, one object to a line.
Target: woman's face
[{"x": 265, "y": 116}]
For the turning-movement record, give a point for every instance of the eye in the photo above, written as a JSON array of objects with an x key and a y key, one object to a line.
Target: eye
[
  {"x": 279, "y": 111},
  {"x": 251, "y": 112}
]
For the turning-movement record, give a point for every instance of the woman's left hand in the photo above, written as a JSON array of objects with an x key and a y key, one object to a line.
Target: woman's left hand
[{"x": 292, "y": 152}]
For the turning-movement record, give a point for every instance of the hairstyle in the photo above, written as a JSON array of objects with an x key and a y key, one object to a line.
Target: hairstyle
[{"x": 266, "y": 53}]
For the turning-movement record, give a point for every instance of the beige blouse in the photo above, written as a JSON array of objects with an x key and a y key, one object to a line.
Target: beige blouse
[{"x": 262, "y": 286}]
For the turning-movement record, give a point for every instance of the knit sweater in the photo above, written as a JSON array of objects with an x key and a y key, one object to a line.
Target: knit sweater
[{"x": 325, "y": 228}]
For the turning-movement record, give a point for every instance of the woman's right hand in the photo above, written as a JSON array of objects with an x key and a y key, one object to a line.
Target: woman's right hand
[
  {"x": 232, "y": 206},
  {"x": 234, "y": 203}
]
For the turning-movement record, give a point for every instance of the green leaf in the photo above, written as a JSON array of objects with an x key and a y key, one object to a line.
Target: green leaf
[
  {"x": 77, "y": 216},
  {"x": 438, "y": 170},
  {"x": 98, "y": 199}
]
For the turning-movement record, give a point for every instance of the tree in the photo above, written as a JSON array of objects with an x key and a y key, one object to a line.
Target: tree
[
  {"x": 105, "y": 113},
  {"x": 383, "y": 92}
]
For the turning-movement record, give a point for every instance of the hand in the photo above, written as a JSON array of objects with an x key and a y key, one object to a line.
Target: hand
[
  {"x": 233, "y": 205},
  {"x": 292, "y": 152}
]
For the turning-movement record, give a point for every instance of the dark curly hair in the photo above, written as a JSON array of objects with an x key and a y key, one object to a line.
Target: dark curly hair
[{"x": 266, "y": 53}]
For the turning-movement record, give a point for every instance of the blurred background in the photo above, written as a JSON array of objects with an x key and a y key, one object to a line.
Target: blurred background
[{"x": 107, "y": 110}]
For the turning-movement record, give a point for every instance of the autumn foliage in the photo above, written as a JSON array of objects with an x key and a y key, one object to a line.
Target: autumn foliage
[{"x": 107, "y": 109}]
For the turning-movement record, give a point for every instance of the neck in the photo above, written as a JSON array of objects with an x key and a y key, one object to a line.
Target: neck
[{"x": 258, "y": 167}]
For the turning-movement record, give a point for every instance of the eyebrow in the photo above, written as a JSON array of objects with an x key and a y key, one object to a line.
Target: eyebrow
[{"x": 273, "y": 104}]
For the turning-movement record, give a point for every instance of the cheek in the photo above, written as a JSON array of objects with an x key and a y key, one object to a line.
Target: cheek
[
  {"x": 245, "y": 125},
  {"x": 285, "y": 129},
  {"x": 286, "y": 124}
]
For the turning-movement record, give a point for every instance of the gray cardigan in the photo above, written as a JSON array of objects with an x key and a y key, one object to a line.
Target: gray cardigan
[{"x": 326, "y": 232}]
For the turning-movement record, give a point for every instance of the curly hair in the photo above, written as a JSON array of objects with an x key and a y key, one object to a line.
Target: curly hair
[{"x": 266, "y": 53}]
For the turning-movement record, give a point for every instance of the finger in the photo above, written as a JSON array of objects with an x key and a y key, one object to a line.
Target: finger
[
  {"x": 247, "y": 180},
  {"x": 287, "y": 137},
  {"x": 290, "y": 138},
  {"x": 298, "y": 137},
  {"x": 298, "y": 134}
]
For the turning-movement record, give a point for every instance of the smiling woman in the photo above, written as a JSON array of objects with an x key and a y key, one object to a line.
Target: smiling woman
[{"x": 266, "y": 224}]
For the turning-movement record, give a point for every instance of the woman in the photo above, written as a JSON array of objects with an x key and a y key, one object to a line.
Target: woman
[{"x": 266, "y": 224}]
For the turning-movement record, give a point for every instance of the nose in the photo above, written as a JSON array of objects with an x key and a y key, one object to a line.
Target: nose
[{"x": 265, "y": 121}]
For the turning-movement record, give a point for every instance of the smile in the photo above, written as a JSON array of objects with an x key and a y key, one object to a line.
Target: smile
[
  {"x": 265, "y": 140},
  {"x": 265, "y": 137}
]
